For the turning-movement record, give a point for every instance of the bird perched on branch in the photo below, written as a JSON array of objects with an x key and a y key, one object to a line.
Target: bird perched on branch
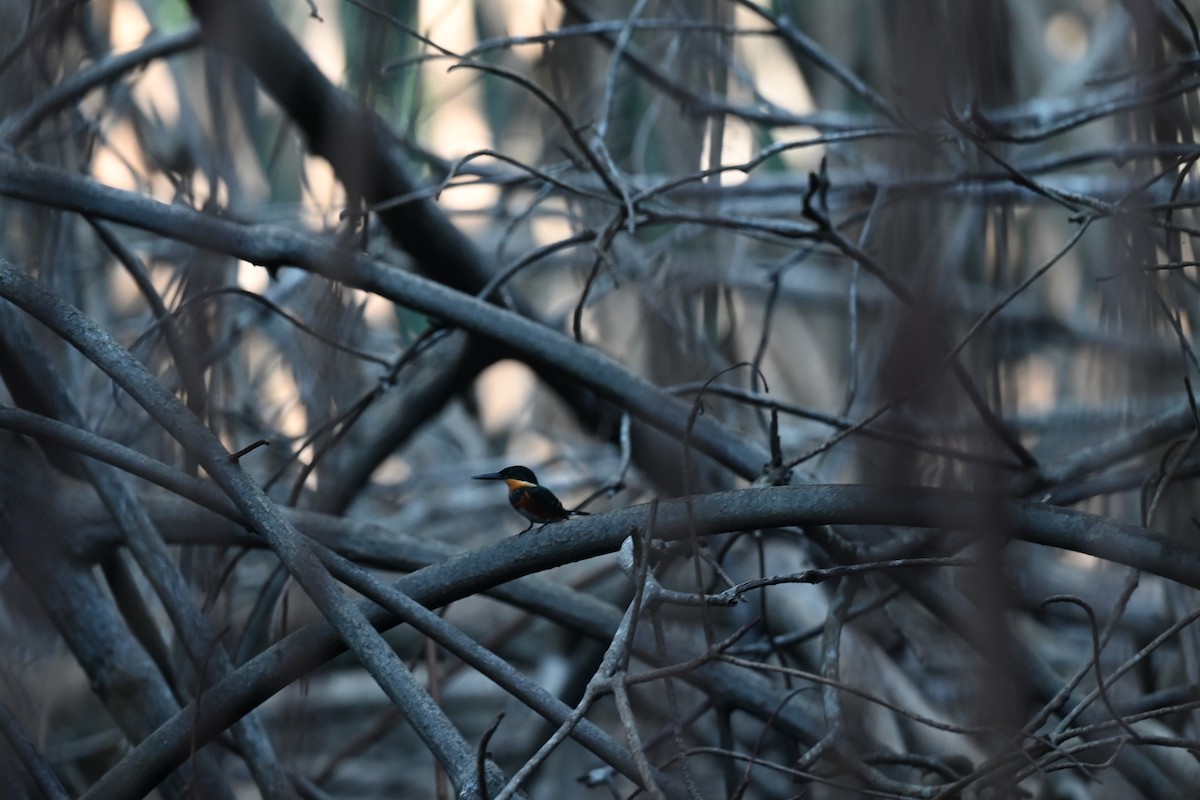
[{"x": 531, "y": 500}]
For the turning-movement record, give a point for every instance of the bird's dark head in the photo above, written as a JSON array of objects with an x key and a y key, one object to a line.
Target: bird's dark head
[{"x": 513, "y": 476}]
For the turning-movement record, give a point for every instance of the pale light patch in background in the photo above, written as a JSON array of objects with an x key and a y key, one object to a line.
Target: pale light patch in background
[
  {"x": 118, "y": 163},
  {"x": 324, "y": 197},
  {"x": 456, "y": 125},
  {"x": 393, "y": 471},
  {"x": 805, "y": 159},
  {"x": 1037, "y": 385},
  {"x": 128, "y": 25},
  {"x": 203, "y": 194},
  {"x": 278, "y": 390},
  {"x": 1066, "y": 36},
  {"x": 473, "y": 202},
  {"x": 775, "y": 76},
  {"x": 123, "y": 294},
  {"x": 550, "y": 223},
  {"x": 737, "y": 147},
  {"x": 530, "y": 446},
  {"x": 155, "y": 93},
  {"x": 1079, "y": 560},
  {"x": 154, "y": 88},
  {"x": 504, "y": 391},
  {"x": 589, "y": 325},
  {"x": 323, "y": 43},
  {"x": 531, "y": 18},
  {"x": 252, "y": 278},
  {"x": 767, "y": 60},
  {"x": 379, "y": 312}
]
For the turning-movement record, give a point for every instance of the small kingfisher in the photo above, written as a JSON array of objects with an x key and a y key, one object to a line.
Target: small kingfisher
[{"x": 531, "y": 500}]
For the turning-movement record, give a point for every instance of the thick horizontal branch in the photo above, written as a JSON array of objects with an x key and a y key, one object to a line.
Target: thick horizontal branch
[
  {"x": 270, "y": 245},
  {"x": 745, "y": 509},
  {"x": 518, "y": 556}
]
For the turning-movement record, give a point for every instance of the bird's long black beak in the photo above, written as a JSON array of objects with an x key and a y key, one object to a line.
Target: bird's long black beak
[{"x": 491, "y": 476}]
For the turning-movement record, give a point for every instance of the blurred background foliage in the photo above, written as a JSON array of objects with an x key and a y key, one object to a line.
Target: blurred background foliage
[{"x": 947, "y": 244}]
